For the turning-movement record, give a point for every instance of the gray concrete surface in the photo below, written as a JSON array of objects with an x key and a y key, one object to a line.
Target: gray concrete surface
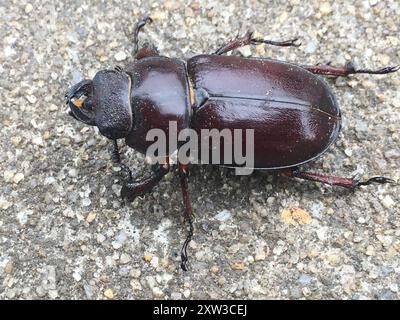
[{"x": 63, "y": 231}]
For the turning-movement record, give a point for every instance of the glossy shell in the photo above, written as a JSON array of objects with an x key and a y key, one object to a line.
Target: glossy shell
[
  {"x": 293, "y": 112},
  {"x": 159, "y": 94}
]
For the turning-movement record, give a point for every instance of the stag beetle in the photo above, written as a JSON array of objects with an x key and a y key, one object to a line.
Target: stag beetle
[{"x": 294, "y": 114}]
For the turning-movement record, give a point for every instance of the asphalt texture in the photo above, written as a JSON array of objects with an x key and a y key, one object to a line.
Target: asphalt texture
[{"x": 64, "y": 231}]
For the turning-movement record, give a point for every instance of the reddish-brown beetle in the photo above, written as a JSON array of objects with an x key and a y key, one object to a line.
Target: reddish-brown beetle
[{"x": 294, "y": 115}]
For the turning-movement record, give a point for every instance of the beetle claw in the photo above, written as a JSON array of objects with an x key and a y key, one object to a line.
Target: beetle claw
[{"x": 380, "y": 180}]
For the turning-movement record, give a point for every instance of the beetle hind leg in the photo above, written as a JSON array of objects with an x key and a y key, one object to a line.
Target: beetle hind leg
[
  {"x": 349, "y": 183},
  {"x": 248, "y": 39},
  {"x": 349, "y": 68}
]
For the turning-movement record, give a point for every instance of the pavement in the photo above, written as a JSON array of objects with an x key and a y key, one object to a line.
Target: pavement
[{"x": 64, "y": 232}]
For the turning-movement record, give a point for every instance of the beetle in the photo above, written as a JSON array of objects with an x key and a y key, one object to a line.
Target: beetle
[{"x": 293, "y": 112}]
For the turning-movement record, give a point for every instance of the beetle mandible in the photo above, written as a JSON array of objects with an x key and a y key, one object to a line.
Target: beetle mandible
[{"x": 293, "y": 112}]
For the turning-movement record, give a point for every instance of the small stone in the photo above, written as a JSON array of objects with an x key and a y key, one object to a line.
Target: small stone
[
  {"x": 311, "y": 47},
  {"x": 22, "y": 216},
  {"x": 86, "y": 202},
  {"x": 8, "y": 175},
  {"x": 195, "y": 5},
  {"x": 295, "y": 216},
  {"x": 325, "y": 8},
  {"x": 176, "y": 296},
  {"x": 38, "y": 141},
  {"x": 4, "y": 204},
  {"x": 157, "y": 292},
  {"x": 18, "y": 177},
  {"x": 90, "y": 217},
  {"x": 223, "y": 215},
  {"x": 9, "y": 267},
  {"x": 109, "y": 294},
  {"x": 348, "y": 152},
  {"x": 245, "y": 51},
  {"x": 77, "y": 276},
  {"x": 370, "y": 251},
  {"x": 214, "y": 269},
  {"x": 53, "y": 294},
  {"x": 28, "y": 8},
  {"x": 16, "y": 140},
  {"x": 159, "y": 15},
  {"x": 260, "y": 254},
  {"x": 148, "y": 257},
  {"x": 387, "y": 202},
  {"x": 31, "y": 98},
  {"x": 73, "y": 173},
  {"x": 124, "y": 259},
  {"x": 135, "y": 273},
  {"x": 135, "y": 285},
  {"x": 100, "y": 238},
  {"x": 238, "y": 266},
  {"x": 384, "y": 59},
  {"x": 322, "y": 233},
  {"x": 305, "y": 279},
  {"x": 120, "y": 56},
  {"x": 186, "y": 293},
  {"x": 367, "y": 84},
  {"x": 154, "y": 262}
]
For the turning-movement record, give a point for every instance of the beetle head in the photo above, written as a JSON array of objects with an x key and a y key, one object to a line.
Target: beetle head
[
  {"x": 79, "y": 100},
  {"x": 103, "y": 102}
]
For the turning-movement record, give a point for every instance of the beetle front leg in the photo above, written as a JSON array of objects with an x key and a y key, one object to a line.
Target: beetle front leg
[
  {"x": 247, "y": 39},
  {"x": 346, "y": 70},
  {"x": 133, "y": 189},
  {"x": 147, "y": 50},
  {"x": 183, "y": 174},
  {"x": 116, "y": 158},
  {"x": 349, "y": 183}
]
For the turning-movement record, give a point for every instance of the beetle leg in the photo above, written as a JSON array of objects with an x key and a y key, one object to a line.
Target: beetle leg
[
  {"x": 147, "y": 51},
  {"x": 247, "y": 39},
  {"x": 183, "y": 173},
  {"x": 133, "y": 189},
  {"x": 116, "y": 158},
  {"x": 138, "y": 26},
  {"x": 346, "y": 70},
  {"x": 350, "y": 183}
]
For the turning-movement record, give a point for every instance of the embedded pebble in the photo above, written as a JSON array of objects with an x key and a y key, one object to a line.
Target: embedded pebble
[
  {"x": 18, "y": 177},
  {"x": 120, "y": 56},
  {"x": 223, "y": 215},
  {"x": 388, "y": 202},
  {"x": 108, "y": 293}
]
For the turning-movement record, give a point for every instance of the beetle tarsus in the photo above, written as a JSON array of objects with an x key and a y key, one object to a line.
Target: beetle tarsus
[
  {"x": 385, "y": 70},
  {"x": 183, "y": 174},
  {"x": 184, "y": 255},
  {"x": 349, "y": 183},
  {"x": 287, "y": 43},
  {"x": 247, "y": 39},
  {"x": 379, "y": 180}
]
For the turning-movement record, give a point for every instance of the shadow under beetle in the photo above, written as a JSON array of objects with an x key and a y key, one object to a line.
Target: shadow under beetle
[{"x": 293, "y": 112}]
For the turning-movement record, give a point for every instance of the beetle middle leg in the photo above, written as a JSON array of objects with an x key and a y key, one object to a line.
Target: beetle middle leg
[
  {"x": 248, "y": 39},
  {"x": 346, "y": 70},
  {"x": 349, "y": 183}
]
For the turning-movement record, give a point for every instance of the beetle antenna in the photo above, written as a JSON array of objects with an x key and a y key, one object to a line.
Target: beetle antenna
[{"x": 184, "y": 255}]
